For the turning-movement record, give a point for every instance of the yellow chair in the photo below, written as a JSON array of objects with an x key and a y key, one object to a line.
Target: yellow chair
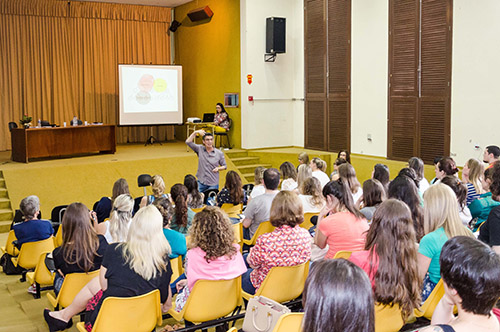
[
  {"x": 238, "y": 234},
  {"x": 72, "y": 284},
  {"x": 209, "y": 300},
  {"x": 307, "y": 220},
  {"x": 30, "y": 253},
  {"x": 177, "y": 269},
  {"x": 387, "y": 318},
  {"x": 41, "y": 275},
  {"x": 282, "y": 283},
  {"x": 291, "y": 322},
  {"x": 264, "y": 227},
  {"x": 432, "y": 301},
  {"x": 9, "y": 246},
  {"x": 58, "y": 239},
  {"x": 128, "y": 314},
  {"x": 199, "y": 209},
  {"x": 343, "y": 254},
  {"x": 232, "y": 210}
]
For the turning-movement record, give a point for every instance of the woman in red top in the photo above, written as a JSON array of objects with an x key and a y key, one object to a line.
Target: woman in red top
[
  {"x": 345, "y": 227},
  {"x": 390, "y": 257}
]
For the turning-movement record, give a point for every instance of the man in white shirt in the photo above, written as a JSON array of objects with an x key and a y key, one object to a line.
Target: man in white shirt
[{"x": 316, "y": 164}]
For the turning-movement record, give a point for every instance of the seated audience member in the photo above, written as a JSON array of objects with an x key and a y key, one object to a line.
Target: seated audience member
[
  {"x": 82, "y": 248},
  {"x": 233, "y": 192},
  {"x": 412, "y": 175},
  {"x": 445, "y": 166},
  {"x": 311, "y": 197},
  {"x": 181, "y": 220},
  {"x": 404, "y": 189},
  {"x": 288, "y": 245},
  {"x": 390, "y": 257},
  {"x": 348, "y": 176},
  {"x": 289, "y": 175},
  {"x": 471, "y": 176},
  {"x": 417, "y": 165},
  {"x": 373, "y": 195},
  {"x": 335, "y": 174},
  {"x": 31, "y": 229},
  {"x": 489, "y": 232},
  {"x": 258, "y": 188},
  {"x": 340, "y": 224},
  {"x": 105, "y": 204},
  {"x": 435, "y": 162},
  {"x": 316, "y": 164},
  {"x": 441, "y": 222},
  {"x": 304, "y": 172},
  {"x": 212, "y": 253},
  {"x": 491, "y": 155},
  {"x": 381, "y": 172},
  {"x": 195, "y": 198},
  {"x": 158, "y": 187},
  {"x": 116, "y": 228},
  {"x": 344, "y": 154},
  {"x": 176, "y": 240},
  {"x": 471, "y": 275},
  {"x": 460, "y": 191},
  {"x": 480, "y": 208},
  {"x": 303, "y": 158},
  {"x": 133, "y": 268},
  {"x": 338, "y": 298},
  {"x": 258, "y": 209},
  {"x": 323, "y": 166}
]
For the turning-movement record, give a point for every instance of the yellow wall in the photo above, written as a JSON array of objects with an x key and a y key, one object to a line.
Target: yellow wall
[{"x": 209, "y": 53}]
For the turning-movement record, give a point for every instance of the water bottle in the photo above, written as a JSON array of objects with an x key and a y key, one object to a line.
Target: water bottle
[
  {"x": 75, "y": 121},
  {"x": 39, "y": 123}
]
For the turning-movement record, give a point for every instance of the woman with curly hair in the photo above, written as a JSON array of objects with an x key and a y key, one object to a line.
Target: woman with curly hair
[
  {"x": 181, "y": 220},
  {"x": 390, "y": 257},
  {"x": 288, "y": 245},
  {"x": 212, "y": 253},
  {"x": 233, "y": 192},
  {"x": 158, "y": 187}
]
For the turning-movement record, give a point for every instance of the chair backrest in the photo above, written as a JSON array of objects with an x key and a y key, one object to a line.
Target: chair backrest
[
  {"x": 264, "y": 227},
  {"x": 135, "y": 314},
  {"x": 427, "y": 309},
  {"x": 58, "y": 239},
  {"x": 30, "y": 252},
  {"x": 72, "y": 284},
  {"x": 199, "y": 209},
  {"x": 343, "y": 254},
  {"x": 12, "y": 125},
  {"x": 284, "y": 283},
  {"x": 307, "y": 220},
  {"x": 57, "y": 213},
  {"x": 387, "y": 318},
  {"x": 212, "y": 299},
  {"x": 9, "y": 246},
  {"x": 248, "y": 188},
  {"x": 291, "y": 322},
  {"x": 144, "y": 180},
  {"x": 232, "y": 210},
  {"x": 176, "y": 264},
  {"x": 42, "y": 275},
  {"x": 210, "y": 194},
  {"x": 238, "y": 233}
]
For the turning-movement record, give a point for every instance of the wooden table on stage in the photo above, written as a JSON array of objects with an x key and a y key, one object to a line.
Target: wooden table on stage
[{"x": 61, "y": 141}]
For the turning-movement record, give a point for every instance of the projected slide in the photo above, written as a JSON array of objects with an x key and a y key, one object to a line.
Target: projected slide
[{"x": 150, "y": 94}]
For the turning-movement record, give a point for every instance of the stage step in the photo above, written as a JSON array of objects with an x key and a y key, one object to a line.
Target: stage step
[
  {"x": 3, "y": 193},
  {"x": 5, "y": 227},
  {"x": 6, "y": 215},
  {"x": 246, "y": 169},
  {"x": 236, "y": 154},
  {"x": 249, "y": 177},
  {"x": 245, "y": 161},
  {"x": 2, "y": 183},
  {"x": 4, "y": 203}
]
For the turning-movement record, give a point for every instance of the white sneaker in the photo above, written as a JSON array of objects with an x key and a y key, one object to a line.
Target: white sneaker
[{"x": 32, "y": 289}]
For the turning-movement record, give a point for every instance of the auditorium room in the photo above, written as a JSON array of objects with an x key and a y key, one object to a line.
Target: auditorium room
[{"x": 249, "y": 165}]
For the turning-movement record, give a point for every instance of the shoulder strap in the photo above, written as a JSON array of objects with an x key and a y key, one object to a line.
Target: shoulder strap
[{"x": 446, "y": 328}]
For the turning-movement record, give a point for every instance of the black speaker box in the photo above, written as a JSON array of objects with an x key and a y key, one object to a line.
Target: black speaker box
[
  {"x": 275, "y": 35},
  {"x": 200, "y": 14},
  {"x": 174, "y": 26}
]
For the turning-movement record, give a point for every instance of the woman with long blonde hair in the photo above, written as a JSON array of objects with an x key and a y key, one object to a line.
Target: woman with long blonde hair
[
  {"x": 116, "y": 228},
  {"x": 136, "y": 267},
  {"x": 472, "y": 174},
  {"x": 441, "y": 222}
]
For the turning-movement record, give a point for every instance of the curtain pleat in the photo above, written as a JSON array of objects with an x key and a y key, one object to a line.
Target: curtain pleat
[{"x": 58, "y": 60}]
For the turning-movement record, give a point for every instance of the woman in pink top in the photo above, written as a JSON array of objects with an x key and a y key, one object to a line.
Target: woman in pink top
[
  {"x": 345, "y": 227},
  {"x": 390, "y": 257},
  {"x": 212, "y": 253}
]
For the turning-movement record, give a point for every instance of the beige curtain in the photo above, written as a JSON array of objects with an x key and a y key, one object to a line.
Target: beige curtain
[{"x": 60, "y": 59}]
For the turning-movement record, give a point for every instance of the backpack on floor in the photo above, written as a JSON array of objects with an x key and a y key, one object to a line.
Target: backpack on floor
[{"x": 7, "y": 265}]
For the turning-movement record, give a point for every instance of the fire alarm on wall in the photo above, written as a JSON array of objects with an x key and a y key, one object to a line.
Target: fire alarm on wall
[{"x": 250, "y": 98}]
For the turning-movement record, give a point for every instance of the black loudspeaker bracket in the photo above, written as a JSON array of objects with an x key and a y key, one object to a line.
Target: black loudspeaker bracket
[{"x": 270, "y": 57}]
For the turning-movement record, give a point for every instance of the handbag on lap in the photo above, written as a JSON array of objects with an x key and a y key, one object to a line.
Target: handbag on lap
[{"x": 262, "y": 314}]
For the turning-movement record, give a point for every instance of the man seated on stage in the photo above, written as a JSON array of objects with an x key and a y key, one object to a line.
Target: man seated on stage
[
  {"x": 259, "y": 208},
  {"x": 210, "y": 160},
  {"x": 491, "y": 154}
]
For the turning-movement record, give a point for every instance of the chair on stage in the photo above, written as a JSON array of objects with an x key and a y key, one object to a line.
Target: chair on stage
[{"x": 219, "y": 135}]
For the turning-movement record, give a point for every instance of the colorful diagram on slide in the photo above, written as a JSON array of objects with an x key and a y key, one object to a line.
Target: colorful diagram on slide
[{"x": 150, "y": 90}]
